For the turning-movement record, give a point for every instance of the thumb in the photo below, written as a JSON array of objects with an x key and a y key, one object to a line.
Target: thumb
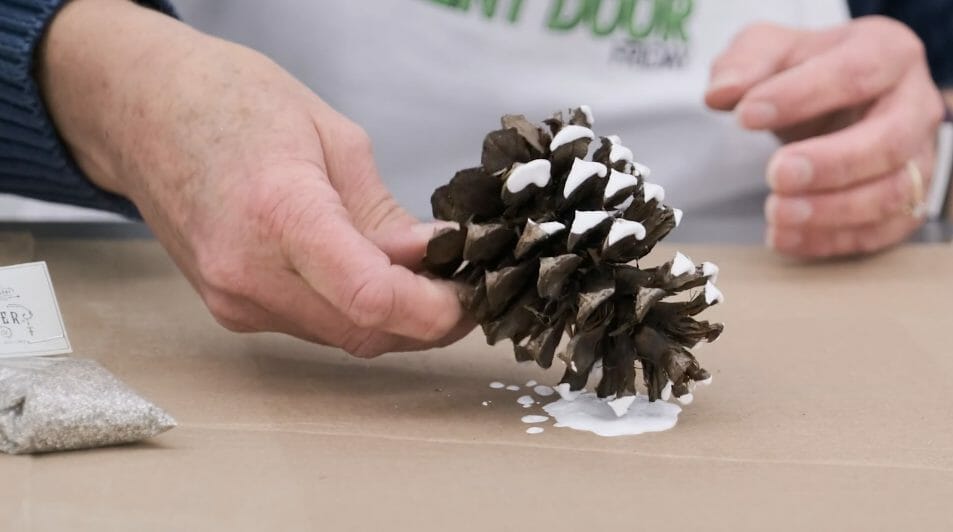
[{"x": 405, "y": 240}]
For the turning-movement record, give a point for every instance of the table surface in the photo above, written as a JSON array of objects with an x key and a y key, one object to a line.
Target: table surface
[{"x": 830, "y": 410}]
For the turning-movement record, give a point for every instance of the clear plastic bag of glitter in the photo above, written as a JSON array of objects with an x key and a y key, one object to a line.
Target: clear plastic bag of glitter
[{"x": 59, "y": 403}]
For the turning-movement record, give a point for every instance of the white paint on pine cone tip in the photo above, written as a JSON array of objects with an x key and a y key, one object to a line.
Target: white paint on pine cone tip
[
  {"x": 618, "y": 181},
  {"x": 667, "y": 391},
  {"x": 621, "y": 405},
  {"x": 686, "y": 399},
  {"x": 620, "y": 153},
  {"x": 710, "y": 270},
  {"x": 713, "y": 294},
  {"x": 677, "y": 213},
  {"x": 615, "y": 140},
  {"x": 706, "y": 382},
  {"x": 653, "y": 191},
  {"x": 581, "y": 172},
  {"x": 642, "y": 170},
  {"x": 623, "y": 228},
  {"x": 570, "y": 134},
  {"x": 586, "y": 110},
  {"x": 586, "y": 220},
  {"x": 550, "y": 228},
  {"x": 537, "y": 172},
  {"x": 625, "y": 204},
  {"x": 682, "y": 265}
]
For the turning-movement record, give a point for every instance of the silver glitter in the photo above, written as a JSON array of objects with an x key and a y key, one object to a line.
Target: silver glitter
[{"x": 58, "y": 404}]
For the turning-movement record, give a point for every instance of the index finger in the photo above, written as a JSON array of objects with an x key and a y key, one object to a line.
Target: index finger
[{"x": 758, "y": 53}]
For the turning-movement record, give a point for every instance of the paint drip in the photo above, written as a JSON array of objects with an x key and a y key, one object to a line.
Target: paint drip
[{"x": 589, "y": 413}]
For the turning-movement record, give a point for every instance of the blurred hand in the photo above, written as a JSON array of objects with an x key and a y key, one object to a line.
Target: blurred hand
[
  {"x": 267, "y": 199},
  {"x": 854, "y": 105}
]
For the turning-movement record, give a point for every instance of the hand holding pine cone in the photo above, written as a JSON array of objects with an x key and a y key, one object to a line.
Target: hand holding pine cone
[{"x": 549, "y": 244}]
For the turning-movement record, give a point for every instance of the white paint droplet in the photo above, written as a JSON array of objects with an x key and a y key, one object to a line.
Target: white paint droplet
[
  {"x": 496, "y": 385},
  {"x": 566, "y": 393},
  {"x": 551, "y": 228},
  {"x": 526, "y": 400},
  {"x": 589, "y": 413},
  {"x": 622, "y": 228},
  {"x": 586, "y": 110},
  {"x": 570, "y": 134},
  {"x": 620, "y": 153},
  {"x": 625, "y": 204},
  {"x": 530, "y": 383},
  {"x": 621, "y": 405},
  {"x": 686, "y": 399},
  {"x": 535, "y": 419},
  {"x": 711, "y": 270},
  {"x": 486, "y": 403},
  {"x": 642, "y": 170},
  {"x": 618, "y": 181},
  {"x": 653, "y": 191},
  {"x": 534, "y": 172},
  {"x": 678, "y": 213},
  {"x": 713, "y": 294},
  {"x": 543, "y": 391},
  {"x": 581, "y": 172},
  {"x": 682, "y": 265},
  {"x": 666, "y": 393},
  {"x": 585, "y": 220},
  {"x": 512, "y": 387},
  {"x": 534, "y": 430}
]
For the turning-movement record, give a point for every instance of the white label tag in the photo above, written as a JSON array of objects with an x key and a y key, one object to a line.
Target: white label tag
[{"x": 30, "y": 319}]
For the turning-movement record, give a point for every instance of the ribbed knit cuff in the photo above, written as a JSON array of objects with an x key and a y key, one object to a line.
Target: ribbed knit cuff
[{"x": 34, "y": 161}]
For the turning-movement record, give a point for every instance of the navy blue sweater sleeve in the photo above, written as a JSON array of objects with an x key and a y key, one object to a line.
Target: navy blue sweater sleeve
[
  {"x": 932, "y": 20},
  {"x": 34, "y": 161}
]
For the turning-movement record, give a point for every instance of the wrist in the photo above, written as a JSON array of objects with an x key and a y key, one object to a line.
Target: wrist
[{"x": 96, "y": 67}]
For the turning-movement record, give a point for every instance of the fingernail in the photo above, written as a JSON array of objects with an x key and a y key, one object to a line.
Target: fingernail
[
  {"x": 428, "y": 230},
  {"x": 757, "y": 115},
  {"x": 791, "y": 173},
  {"x": 788, "y": 211},
  {"x": 723, "y": 80}
]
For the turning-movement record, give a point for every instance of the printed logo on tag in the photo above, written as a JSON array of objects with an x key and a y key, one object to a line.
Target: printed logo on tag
[{"x": 30, "y": 320}]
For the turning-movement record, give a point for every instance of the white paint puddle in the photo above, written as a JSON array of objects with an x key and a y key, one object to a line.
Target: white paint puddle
[{"x": 589, "y": 413}]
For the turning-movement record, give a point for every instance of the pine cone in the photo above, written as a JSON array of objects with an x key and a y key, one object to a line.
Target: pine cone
[{"x": 548, "y": 245}]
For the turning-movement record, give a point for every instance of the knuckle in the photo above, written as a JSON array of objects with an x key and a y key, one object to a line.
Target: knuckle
[
  {"x": 859, "y": 79},
  {"x": 371, "y": 302},
  {"x": 224, "y": 274},
  {"x": 895, "y": 143},
  {"x": 225, "y": 312},
  {"x": 357, "y": 139}
]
